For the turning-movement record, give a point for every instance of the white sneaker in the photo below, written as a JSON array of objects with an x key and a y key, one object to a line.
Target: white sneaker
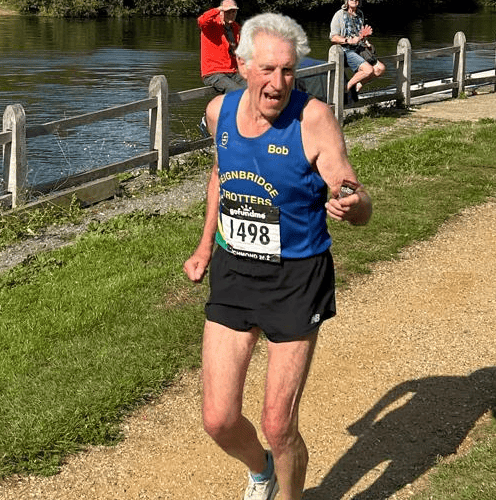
[
  {"x": 266, "y": 490},
  {"x": 203, "y": 127}
]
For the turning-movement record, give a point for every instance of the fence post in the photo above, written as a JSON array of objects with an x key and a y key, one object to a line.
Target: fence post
[
  {"x": 15, "y": 167},
  {"x": 335, "y": 82},
  {"x": 494, "y": 86},
  {"x": 159, "y": 121},
  {"x": 459, "y": 64},
  {"x": 404, "y": 72}
]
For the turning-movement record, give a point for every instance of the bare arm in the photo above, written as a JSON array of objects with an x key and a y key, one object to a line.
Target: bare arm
[
  {"x": 325, "y": 148},
  {"x": 343, "y": 40},
  {"x": 352, "y": 40},
  {"x": 196, "y": 266}
]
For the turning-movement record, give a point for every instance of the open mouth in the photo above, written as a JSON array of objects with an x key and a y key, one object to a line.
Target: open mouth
[{"x": 273, "y": 97}]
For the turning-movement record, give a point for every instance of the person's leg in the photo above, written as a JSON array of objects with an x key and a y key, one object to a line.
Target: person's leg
[
  {"x": 225, "y": 82},
  {"x": 378, "y": 70},
  {"x": 359, "y": 66},
  {"x": 231, "y": 81},
  {"x": 287, "y": 371},
  {"x": 362, "y": 75},
  {"x": 238, "y": 81},
  {"x": 226, "y": 356}
]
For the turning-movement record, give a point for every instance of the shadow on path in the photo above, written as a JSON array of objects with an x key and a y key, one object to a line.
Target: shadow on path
[{"x": 430, "y": 418}]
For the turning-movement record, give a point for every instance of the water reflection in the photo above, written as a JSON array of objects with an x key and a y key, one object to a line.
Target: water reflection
[{"x": 58, "y": 68}]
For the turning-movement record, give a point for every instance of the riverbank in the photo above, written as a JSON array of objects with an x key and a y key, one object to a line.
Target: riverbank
[
  {"x": 6, "y": 11},
  {"x": 430, "y": 114},
  {"x": 296, "y": 8},
  {"x": 402, "y": 331}
]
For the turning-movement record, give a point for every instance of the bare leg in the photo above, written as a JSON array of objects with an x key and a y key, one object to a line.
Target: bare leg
[
  {"x": 288, "y": 367},
  {"x": 226, "y": 356},
  {"x": 365, "y": 73}
]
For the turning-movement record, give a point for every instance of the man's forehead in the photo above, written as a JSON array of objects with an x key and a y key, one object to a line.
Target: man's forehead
[{"x": 264, "y": 42}]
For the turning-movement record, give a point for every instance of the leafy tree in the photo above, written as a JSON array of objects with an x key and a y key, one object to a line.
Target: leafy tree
[{"x": 299, "y": 8}]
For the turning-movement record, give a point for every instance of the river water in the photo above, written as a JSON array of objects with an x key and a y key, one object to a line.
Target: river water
[{"x": 58, "y": 68}]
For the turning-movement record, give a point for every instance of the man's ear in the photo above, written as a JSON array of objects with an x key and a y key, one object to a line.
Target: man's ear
[{"x": 242, "y": 67}]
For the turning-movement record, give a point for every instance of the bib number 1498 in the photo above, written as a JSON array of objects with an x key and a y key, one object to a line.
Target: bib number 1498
[{"x": 251, "y": 230}]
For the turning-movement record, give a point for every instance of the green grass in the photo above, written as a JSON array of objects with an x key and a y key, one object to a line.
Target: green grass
[
  {"x": 89, "y": 331},
  {"x": 16, "y": 225},
  {"x": 24, "y": 223},
  {"x": 416, "y": 183},
  {"x": 470, "y": 477}
]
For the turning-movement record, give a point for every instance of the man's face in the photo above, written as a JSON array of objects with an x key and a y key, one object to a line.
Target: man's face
[
  {"x": 230, "y": 16},
  {"x": 270, "y": 74},
  {"x": 229, "y": 9}
]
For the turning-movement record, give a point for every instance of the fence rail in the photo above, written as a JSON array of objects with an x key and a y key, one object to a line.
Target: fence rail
[{"x": 101, "y": 183}]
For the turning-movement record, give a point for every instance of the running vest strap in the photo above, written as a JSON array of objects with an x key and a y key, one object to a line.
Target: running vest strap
[{"x": 272, "y": 200}]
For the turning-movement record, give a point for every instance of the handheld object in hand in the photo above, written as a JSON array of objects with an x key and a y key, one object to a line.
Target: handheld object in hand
[{"x": 348, "y": 188}]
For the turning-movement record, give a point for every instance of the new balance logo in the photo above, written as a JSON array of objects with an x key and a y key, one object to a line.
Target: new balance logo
[{"x": 315, "y": 319}]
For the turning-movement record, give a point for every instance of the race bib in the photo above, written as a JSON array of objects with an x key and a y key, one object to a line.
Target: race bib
[{"x": 251, "y": 230}]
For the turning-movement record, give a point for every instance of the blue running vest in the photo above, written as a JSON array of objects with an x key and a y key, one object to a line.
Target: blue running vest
[{"x": 271, "y": 199}]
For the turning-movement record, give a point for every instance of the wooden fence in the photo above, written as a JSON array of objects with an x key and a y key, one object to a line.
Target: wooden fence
[{"x": 102, "y": 183}]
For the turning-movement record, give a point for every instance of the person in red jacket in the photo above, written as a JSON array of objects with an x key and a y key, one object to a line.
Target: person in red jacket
[{"x": 219, "y": 39}]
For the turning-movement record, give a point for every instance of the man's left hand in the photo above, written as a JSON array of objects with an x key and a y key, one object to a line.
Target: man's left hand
[{"x": 355, "y": 208}]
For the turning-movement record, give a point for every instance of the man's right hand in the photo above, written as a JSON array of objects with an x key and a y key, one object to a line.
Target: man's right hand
[
  {"x": 196, "y": 266},
  {"x": 228, "y": 11}
]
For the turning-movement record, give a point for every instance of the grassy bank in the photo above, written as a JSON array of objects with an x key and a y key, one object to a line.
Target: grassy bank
[
  {"x": 8, "y": 9},
  {"x": 89, "y": 331},
  {"x": 470, "y": 477}
]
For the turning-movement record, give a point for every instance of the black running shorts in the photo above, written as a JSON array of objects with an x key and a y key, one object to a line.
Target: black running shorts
[{"x": 287, "y": 300}]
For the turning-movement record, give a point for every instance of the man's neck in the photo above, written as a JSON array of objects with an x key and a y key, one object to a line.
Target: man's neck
[{"x": 251, "y": 122}]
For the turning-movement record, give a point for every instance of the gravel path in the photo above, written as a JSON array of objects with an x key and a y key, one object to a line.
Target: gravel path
[{"x": 400, "y": 377}]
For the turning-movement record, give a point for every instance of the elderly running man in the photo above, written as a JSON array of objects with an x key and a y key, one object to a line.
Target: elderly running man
[{"x": 278, "y": 152}]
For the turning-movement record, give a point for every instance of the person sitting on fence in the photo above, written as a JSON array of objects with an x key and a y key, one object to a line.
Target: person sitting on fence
[
  {"x": 349, "y": 30},
  {"x": 219, "y": 39}
]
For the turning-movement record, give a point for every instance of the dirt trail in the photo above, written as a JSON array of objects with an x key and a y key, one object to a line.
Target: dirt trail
[{"x": 401, "y": 376}]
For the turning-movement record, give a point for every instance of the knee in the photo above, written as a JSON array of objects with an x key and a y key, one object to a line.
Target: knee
[
  {"x": 284, "y": 437},
  {"x": 280, "y": 432},
  {"x": 218, "y": 425},
  {"x": 379, "y": 69},
  {"x": 367, "y": 70}
]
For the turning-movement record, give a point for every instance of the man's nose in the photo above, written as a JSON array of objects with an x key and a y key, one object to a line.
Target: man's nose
[{"x": 277, "y": 79}]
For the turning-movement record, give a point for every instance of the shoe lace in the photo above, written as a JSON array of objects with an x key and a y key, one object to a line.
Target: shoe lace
[{"x": 257, "y": 490}]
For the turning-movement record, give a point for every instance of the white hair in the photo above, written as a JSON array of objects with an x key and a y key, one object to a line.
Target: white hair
[{"x": 274, "y": 24}]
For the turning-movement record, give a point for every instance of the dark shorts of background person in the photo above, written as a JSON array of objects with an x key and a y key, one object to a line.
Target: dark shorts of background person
[
  {"x": 225, "y": 82},
  {"x": 287, "y": 301}
]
